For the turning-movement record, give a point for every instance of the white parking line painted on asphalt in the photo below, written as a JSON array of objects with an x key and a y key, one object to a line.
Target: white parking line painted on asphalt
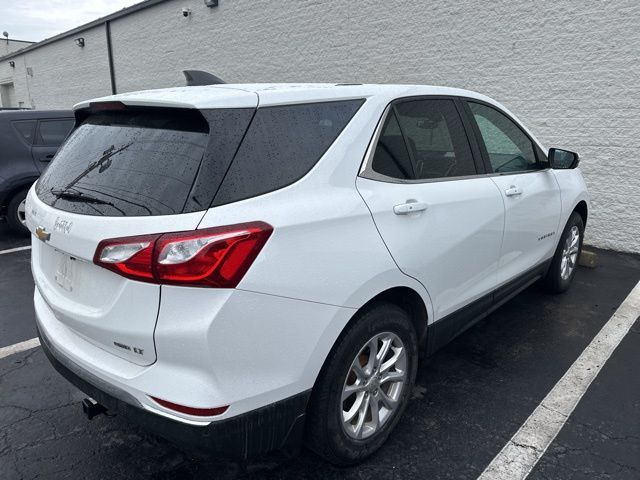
[
  {"x": 17, "y": 249},
  {"x": 518, "y": 457},
  {"x": 19, "y": 347}
]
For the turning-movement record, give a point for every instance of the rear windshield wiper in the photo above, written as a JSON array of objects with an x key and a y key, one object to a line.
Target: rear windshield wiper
[
  {"x": 72, "y": 194},
  {"x": 103, "y": 163}
]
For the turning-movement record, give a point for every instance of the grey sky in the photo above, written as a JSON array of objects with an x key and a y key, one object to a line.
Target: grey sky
[{"x": 36, "y": 19}]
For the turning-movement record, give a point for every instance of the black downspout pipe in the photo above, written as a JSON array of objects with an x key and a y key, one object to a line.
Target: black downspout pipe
[{"x": 112, "y": 74}]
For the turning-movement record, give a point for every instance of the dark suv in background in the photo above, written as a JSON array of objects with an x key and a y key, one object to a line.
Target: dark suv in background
[{"x": 28, "y": 141}]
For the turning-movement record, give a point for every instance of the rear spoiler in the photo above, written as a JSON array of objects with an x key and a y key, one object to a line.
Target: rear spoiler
[{"x": 199, "y": 78}]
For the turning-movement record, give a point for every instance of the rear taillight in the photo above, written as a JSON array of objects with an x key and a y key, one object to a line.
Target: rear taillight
[
  {"x": 213, "y": 257},
  {"x": 131, "y": 257}
]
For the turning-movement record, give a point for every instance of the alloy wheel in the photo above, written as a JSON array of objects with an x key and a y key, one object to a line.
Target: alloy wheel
[
  {"x": 22, "y": 212},
  {"x": 373, "y": 387},
  {"x": 570, "y": 253}
]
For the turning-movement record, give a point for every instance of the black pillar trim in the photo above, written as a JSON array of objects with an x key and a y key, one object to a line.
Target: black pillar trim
[{"x": 112, "y": 75}]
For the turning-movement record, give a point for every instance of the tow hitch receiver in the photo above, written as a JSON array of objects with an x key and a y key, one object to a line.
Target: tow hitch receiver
[{"x": 91, "y": 408}]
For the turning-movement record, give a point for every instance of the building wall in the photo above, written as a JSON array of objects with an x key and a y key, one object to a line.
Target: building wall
[
  {"x": 59, "y": 74},
  {"x": 569, "y": 70},
  {"x": 10, "y": 46},
  {"x": 7, "y": 89}
]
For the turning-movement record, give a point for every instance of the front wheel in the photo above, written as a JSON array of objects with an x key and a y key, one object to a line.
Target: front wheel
[
  {"x": 565, "y": 260},
  {"x": 364, "y": 386}
]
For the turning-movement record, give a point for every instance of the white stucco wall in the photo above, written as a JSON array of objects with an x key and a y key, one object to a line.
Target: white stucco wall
[
  {"x": 568, "y": 69},
  {"x": 10, "y": 46},
  {"x": 62, "y": 72}
]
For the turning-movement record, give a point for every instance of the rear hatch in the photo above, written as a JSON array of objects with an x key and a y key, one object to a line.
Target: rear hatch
[{"x": 124, "y": 171}]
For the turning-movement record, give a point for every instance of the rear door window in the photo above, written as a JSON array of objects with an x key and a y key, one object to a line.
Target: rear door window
[
  {"x": 281, "y": 145},
  {"x": 130, "y": 163},
  {"x": 423, "y": 140},
  {"x": 53, "y": 132},
  {"x": 436, "y": 139},
  {"x": 26, "y": 129}
]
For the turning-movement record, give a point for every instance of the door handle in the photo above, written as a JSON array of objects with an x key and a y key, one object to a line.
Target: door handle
[
  {"x": 409, "y": 207},
  {"x": 513, "y": 191}
]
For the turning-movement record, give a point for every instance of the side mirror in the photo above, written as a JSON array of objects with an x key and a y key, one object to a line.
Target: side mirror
[{"x": 563, "y": 159}]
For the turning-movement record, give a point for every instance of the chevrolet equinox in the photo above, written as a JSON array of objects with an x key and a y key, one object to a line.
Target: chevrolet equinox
[{"x": 244, "y": 268}]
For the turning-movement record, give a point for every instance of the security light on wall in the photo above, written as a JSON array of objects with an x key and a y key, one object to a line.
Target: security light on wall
[
  {"x": 211, "y": 3},
  {"x": 12, "y": 64},
  {"x": 80, "y": 42}
]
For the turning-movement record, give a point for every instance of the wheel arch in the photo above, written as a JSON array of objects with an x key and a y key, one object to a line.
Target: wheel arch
[
  {"x": 15, "y": 188},
  {"x": 320, "y": 403},
  {"x": 407, "y": 299},
  {"x": 404, "y": 297},
  {"x": 583, "y": 210}
]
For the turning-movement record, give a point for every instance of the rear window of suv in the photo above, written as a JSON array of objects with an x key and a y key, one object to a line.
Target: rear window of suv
[
  {"x": 163, "y": 161},
  {"x": 128, "y": 163}
]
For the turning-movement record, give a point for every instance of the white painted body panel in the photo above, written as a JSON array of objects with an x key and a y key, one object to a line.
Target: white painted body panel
[
  {"x": 266, "y": 94},
  {"x": 573, "y": 190},
  {"x": 453, "y": 246},
  {"x": 325, "y": 247},
  {"x": 215, "y": 347},
  {"x": 185, "y": 97},
  {"x": 98, "y": 304},
  {"x": 531, "y": 221},
  {"x": 267, "y": 339}
]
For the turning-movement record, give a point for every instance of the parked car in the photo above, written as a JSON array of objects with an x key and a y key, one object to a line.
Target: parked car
[
  {"x": 242, "y": 267},
  {"x": 28, "y": 141}
]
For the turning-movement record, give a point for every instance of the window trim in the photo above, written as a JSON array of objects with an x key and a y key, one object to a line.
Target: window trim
[
  {"x": 366, "y": 169},
  {"x": 405, "y": 139},
  {"x": 537, "y": 151}
]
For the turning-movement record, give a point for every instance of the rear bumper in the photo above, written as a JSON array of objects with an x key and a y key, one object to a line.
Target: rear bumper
[{"x": 278, "y": 426}]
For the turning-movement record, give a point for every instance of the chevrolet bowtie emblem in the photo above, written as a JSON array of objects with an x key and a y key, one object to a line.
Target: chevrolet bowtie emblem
[{"x": 42, "y": 234}]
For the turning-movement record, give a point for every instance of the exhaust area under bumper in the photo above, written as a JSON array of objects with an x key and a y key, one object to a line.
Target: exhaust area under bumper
[{"x": 279, "y": 426}]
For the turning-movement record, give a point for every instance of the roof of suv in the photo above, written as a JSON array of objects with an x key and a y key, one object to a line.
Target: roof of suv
[
  {"x": 33, "y": 114},
  {"x": 251, "y": 94}
]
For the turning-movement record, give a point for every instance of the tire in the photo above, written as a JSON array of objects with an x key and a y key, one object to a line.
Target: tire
[
  {"x": 565, "y": 260},
  {"x": 326, "y": 433},
  {"x": 15, "y": 213}
]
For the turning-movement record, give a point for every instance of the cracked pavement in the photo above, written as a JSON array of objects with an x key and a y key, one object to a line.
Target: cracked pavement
[{"x": 470, "y": 398}]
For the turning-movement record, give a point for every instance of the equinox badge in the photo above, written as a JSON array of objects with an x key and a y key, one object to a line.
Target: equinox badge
[{"x": 42, "y": 234}]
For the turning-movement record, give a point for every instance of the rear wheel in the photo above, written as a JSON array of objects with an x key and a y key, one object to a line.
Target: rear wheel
[
  {"x": 364, "y": 386},
  {"x": 16, "y": 213},
  {"x": 565, "y": 260}
]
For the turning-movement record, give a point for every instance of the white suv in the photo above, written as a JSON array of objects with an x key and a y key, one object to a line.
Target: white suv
[{"x": 241, "y": 267}]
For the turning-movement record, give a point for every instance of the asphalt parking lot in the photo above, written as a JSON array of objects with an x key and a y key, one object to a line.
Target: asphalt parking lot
[{"x": 470, "y": 398}]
